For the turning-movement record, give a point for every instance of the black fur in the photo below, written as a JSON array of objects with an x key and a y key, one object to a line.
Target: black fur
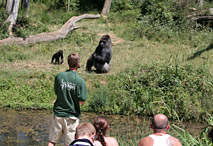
[
  {"x": 57, "y": 56},
  {"x": 102, "y": 55}
]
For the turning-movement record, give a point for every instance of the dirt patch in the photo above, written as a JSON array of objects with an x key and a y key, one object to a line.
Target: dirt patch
[
  {"x": 115, "y": 40},
  {"x": 31, "y": 66}
]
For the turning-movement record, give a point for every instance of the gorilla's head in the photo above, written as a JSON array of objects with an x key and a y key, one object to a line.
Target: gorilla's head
[{"x": 105, "y": 41}]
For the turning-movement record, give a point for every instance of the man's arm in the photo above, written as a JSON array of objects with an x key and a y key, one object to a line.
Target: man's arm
[{"x": 56, "y": 85}]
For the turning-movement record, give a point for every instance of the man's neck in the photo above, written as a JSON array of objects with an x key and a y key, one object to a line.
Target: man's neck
[
  {"x": 159, "y": 133},
  {"x": 73, "y": 69}
]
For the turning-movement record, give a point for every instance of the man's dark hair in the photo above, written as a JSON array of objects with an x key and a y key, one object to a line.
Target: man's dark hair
[{"x": 73, "y": 60}]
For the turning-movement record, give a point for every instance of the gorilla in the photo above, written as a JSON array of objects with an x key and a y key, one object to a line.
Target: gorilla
[
  {"x": 100, "y": 59},
  {"x": 56, "y": 57}
]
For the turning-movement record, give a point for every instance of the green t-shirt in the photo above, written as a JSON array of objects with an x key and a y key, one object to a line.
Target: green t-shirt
[{"x": 70, "y": 88}]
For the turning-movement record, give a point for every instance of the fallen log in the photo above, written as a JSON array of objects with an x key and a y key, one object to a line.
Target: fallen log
[
  {"x": 49, "y": 36},
  {"x": 202, "y": 18}
]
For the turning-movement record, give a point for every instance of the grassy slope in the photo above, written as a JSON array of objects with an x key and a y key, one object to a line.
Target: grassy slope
[
  {"x": 84, "y": 41},
  {"x": 27, "y": 63}
]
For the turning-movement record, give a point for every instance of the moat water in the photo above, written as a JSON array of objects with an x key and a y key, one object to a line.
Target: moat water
[{"x": 31, "y": 128}]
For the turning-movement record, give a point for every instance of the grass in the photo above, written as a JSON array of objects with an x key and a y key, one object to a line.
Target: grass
[
  {"x": 26, "y": 75},
  {"x": 28, "y": 67}
]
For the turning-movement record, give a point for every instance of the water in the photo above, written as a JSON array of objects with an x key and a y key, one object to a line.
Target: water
[{"x": 31, "y": 128}]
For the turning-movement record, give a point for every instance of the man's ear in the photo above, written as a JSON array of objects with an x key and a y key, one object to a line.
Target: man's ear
[
  {"x": 168, "y": 126},
  {"x": 93, "y": 136},
  {"x": 151, "y": 126}
]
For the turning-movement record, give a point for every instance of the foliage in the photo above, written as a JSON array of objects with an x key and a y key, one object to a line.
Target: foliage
[
  {"x": 162, "y": 18},
  {"x": 21, "y": 95},
  {"x": 178, "y": 91},
  {"x": 187, "y": 139},
  {"x": 3, "y": 27},
  {"x": 91, "y": 5},
  {"x": 162, "y": 21},
  {"x": 25, "y": 26},
  {"x": 124, "y": 5}
]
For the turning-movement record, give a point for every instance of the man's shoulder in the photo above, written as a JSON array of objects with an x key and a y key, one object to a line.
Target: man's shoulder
[
  {"x": 65, "y": 74},
  {"x": 146, "y": 141},
  {"x": 175, "y": 141},
  {"x": 61, "y": 73},
  {"x": 79, "y": 78}
]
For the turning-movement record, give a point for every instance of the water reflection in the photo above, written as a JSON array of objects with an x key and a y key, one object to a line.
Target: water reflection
[
  {"x": 24, "y": 128},
  {"x": 31, "y": 128}
]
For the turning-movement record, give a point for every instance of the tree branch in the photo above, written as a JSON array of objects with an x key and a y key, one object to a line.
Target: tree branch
[{"x": 50, "y": 36}]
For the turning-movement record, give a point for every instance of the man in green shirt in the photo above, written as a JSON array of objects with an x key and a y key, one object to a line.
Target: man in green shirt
[{"x": 71, "y": 92}]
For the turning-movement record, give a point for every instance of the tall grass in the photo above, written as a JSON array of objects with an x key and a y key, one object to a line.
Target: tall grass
[
  {"x": 187, "y": 139},
  {"x": 179, "y": 91}
]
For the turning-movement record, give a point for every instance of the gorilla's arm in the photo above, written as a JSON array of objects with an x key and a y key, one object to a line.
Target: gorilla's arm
[
  {"x": 103, "y": 57},
  {"x": 62, "y": 58},
  {"x": 53, "y": 57},
  {"x": 89, "y": 63}
]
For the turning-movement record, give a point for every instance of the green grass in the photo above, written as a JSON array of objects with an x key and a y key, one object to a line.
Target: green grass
[
  {"x": 153, "y": 69},
  {"x": 28, "y": 67}
]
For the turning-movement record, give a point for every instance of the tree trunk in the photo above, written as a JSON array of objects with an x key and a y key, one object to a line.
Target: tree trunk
[
  {"x": 9, "y": 6},
  {"x": 200, "y": 3},
  {"x": 50, "y": 36},
  {"x": 68, "y": 6},
  {"x": 13, "y": 16},
  {"x": 106, "y": 8}
]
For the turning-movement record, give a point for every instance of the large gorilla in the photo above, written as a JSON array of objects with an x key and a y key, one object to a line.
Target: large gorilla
[
  {"x": 102, "y": 56},
  {"x": 57, "y": 56}
]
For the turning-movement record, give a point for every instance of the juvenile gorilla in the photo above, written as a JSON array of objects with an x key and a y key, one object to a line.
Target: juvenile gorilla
[
  {"x": 56, "y": 57},
  {"x": 100, "y": 59}
]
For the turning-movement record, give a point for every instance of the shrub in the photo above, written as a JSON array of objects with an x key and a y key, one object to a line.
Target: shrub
[{"x": 178, "y": 91}]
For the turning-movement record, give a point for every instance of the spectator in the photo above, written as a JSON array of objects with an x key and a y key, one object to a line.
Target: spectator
[
  {"x": 71, "y": 93},
  {"x": 85, "y": 134},
  {"x": 159, "y": 138},
  {"x": 101, "y": 125}
]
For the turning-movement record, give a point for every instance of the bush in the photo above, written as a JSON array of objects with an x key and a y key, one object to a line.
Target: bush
[
  {"x": 123, "y": 5},
  {"x": 179, "y": 92}
]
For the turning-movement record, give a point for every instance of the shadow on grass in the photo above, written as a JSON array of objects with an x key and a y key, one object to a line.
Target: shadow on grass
[{"x": 198, "y": 53}]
